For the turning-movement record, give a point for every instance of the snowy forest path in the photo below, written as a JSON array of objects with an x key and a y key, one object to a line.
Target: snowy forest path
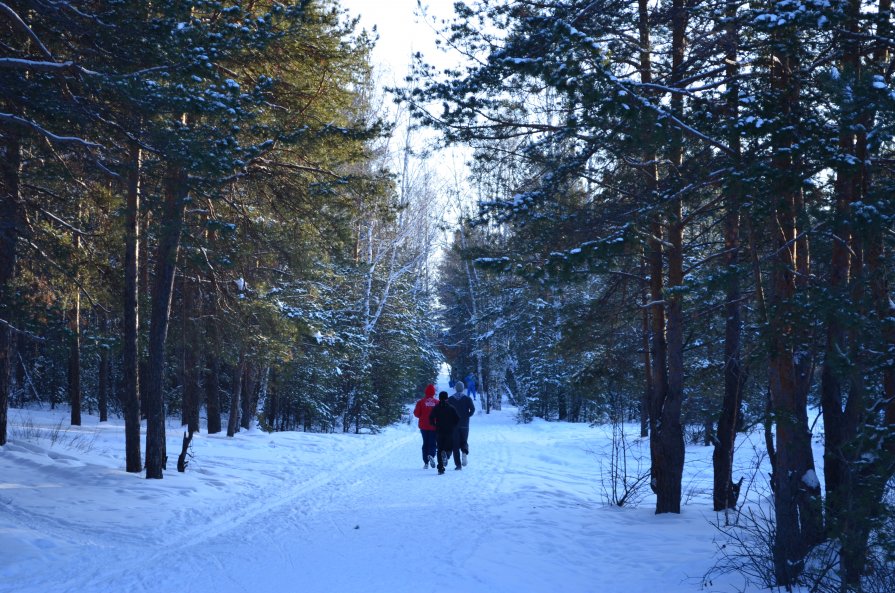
[
  {"x": 319, "y": 513},
  {"x": 364, "y": 497},
  {"x": 260, "y": 510}
]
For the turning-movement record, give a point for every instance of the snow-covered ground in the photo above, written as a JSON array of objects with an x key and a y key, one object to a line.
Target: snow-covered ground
[{"x": 341, "y": 513}]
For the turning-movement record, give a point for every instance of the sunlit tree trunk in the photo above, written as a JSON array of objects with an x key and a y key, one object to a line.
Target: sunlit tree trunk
[{"x": 130, "y": 331}]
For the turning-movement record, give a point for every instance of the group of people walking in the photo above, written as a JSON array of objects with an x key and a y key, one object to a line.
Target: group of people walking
[{"x": 444, "y": 424}]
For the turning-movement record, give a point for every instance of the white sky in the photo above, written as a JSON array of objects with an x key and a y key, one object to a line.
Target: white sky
[{"x": 401, "y": 31}]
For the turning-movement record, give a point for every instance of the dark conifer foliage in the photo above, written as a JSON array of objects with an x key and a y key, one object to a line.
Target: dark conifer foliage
[{"x": 187, "y": 189}]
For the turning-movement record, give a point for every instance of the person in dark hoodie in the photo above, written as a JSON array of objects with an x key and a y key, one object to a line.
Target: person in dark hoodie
[
  {"x": 444, "y": 418},
  {"x": 465, "y": 408},
  {"x": 422, "y": 410}
]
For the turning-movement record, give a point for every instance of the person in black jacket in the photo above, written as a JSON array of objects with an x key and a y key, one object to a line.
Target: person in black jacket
[
  {"x": 465, "y": 408},
  {"x": 444, "y": 418}
]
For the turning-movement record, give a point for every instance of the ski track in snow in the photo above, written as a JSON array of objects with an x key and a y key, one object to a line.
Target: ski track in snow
[{"x": 344, "y": 513}]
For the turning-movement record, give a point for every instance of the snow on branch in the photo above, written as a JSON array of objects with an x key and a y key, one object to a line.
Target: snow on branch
[
  {"x": 8, "y": 118},
  {"x": 22, "y": 26},
  {"x": 14, "y": 329},
  {"x": 674, "y": 119},
  {"x": 43, "y": 66}
]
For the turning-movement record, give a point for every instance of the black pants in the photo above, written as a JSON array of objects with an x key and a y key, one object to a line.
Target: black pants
[
  {"x": 445, "y": 444},
  {"x": 461, "y": 435}
]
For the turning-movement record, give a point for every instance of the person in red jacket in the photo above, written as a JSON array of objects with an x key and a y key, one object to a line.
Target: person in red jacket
[{"x": 422, "y": 410}]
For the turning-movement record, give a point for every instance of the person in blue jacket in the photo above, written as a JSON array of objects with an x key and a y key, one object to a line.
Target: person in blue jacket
[{"x": 469, "y": 381}]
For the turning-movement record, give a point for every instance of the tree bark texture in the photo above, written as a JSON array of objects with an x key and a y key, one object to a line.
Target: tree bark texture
[
  {"x": 190, "y": 358},
  {"x": 725, "y": 493},
  {"x": 166, "y": 264},
  {"x": 213, "y": 378},
  {"x": 74, "y": 359},
  {"x": 235, "y": 395},
  {"x": 856, "y": 469},
  {"x": 647, "y": 360},
  {"x": 249, "y": 396},
  {"x": 131, "y": 318},
  {"x": 668, "y": 449},
  {"x": 796, "y": 496},
  {"x": 74, "y": 351},
  {"x": 104, "y": 370},
  {"x": 213, "y": 331},
  {"x": 10, "y": 214}
]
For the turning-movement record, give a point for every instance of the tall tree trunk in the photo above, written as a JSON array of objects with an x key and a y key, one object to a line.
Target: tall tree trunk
[
  {"x": 236, "y": 394},
  {"x": 10, "y": 214},
  {"x": 669, "y": 432},
  {"x": 131, "y": 317},
  {"x": 835, "y": 364},
  {"x": 166, "y": 264},
  {"x": 213, "y": 333},
  {"x": 725, "y": 493},
  {"x": 659, "y": 464},
  {"x": 213, "y": 394},
  {"x": 669, "y": 438},
  {"x": 190, "y": 358},
  {"x": 74, "y": 350},
  {"x": 213, "y": 379},
  {"x": 74, "y": 359},
  {"x": 794, "y": 479},
  {"x": 249, "y": 396},
  {"x": 855, "y": 471},
  {"x": 645, "y": 344},
  {"x": 658, "y": 382},
  {"x": 104, "y": 369},
  {"x": 144, "y": 295},
  {"x": 473, "y": 284}
]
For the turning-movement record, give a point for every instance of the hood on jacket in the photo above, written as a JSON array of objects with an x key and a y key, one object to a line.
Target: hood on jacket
[{"x": 430, "y": 391}]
